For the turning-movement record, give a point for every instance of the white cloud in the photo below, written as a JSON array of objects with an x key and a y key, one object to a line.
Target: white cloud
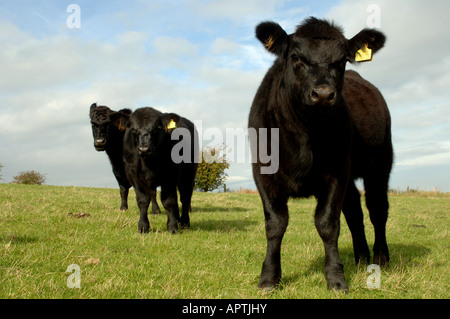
[
  {"x": 427, "y": 155},
  {"x": 235, "y": 10},
  {"x": 11, "y": 33},
  {"x": 224, "y": 46},
  {"x": 131, "y": 38},
  {"x": 174, "y": 47},
  {"x": 237, "y": 178}
]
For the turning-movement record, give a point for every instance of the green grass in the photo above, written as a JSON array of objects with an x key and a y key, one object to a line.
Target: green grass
[{"x": 219, "y": 257}]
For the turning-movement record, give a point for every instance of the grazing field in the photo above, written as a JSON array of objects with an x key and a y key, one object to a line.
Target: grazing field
[{"x": 45, "y": 229}]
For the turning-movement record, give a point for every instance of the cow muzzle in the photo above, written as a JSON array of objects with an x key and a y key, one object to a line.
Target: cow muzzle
[
  {"x": 100, "y": 144},
  {"x": 323, "y": 95},
  {"x": 143, "y": 150}
]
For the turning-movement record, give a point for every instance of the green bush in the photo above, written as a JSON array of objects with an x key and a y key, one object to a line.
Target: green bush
[
  {"x": 211, "y": 170},
  {"x": 29, "y": 178}
]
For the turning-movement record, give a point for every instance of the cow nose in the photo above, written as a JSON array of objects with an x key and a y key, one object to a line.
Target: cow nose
[
  {"x": 323, "y": 95},
  {"x": 143, "y": 149},
  {"x": 100, "y": 142}
]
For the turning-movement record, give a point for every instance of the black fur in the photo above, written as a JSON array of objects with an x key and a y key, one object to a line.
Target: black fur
[
  {"x": 334, "y": 127},
  {"x": 108, "y": 130},
  {"x": 149, "y": 164}
]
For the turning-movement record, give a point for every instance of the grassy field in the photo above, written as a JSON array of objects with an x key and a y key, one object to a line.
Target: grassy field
[{"x": 44, "y": 229}]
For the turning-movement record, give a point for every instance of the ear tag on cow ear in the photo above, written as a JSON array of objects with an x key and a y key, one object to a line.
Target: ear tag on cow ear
[
  {"x": 269, "y": 43},
  {"x": 364, "y": 54},
  {"x": 171, "y": 125},
  {"x": 121, "y": 126}
]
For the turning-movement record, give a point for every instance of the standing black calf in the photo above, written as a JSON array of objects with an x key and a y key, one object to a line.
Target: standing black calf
[
  {"x": 151, "y": 161},
  {"x": 334, "y": 127},
  {"x": 108, "y": 130}
]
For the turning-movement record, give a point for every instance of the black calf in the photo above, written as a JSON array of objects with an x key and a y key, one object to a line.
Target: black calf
[
  {"x": 108, "y": 130},
  {"x": 334, "y": 127},
  {"x": 150, "y": 161}
]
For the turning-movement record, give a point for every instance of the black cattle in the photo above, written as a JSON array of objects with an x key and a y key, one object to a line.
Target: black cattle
[
  {"x": 334, "y": 127},
  {"x": 108, "y": 130},
  {"x": 150, "y": 161}
]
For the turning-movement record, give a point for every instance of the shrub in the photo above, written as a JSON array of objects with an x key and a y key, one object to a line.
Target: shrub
[
  {"x": 29, "y": 178},
  {"x": 211, "y": 174}
]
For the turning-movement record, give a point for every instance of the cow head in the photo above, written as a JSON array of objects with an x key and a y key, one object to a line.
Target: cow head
[
  {"x": 314, "y": 58},
  {"x": 107, "y": 124},
  {"x": 149, "y": 131}
]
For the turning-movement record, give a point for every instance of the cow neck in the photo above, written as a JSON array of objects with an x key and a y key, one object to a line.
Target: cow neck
[
  {"x": 115, "y": 149},
  {"x": 288, "y": 115},
  {"x": 160, "y": 161}
]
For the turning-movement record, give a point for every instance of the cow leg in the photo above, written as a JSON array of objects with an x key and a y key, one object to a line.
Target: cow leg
[
  {"x": 124, "y": 186},
  {"x": 327, "y": 221},
  {"x": 276, "y": 219},
  {"x": 185, "y": 197},
  {"x": 124, "y": 196},
  {"x": 378, "y": 205},
  {"x": 143, "y": 201},
  {"x": 155, "y": 207},
  {"x": 169, "y": 200},
  {"x": 354, "y": 216}
]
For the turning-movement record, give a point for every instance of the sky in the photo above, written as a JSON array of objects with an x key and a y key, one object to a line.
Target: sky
[{"x": 200, "y": 59}]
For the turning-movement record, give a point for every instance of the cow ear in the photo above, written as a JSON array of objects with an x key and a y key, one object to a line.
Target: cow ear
[
  {"x": 273, "y": 37},
  {"x": 125, "y": 111},
  {"x": 363, "y": 45},
  {"x": 170, "y": 121},
  {"x": 92, "y": 108},
  {"x": 120, "y": 120}
]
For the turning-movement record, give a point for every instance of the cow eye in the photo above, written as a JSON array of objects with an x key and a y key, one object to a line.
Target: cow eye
[
  {"x": 299, "y": 60},
  {"x": 295, "y": 58}
]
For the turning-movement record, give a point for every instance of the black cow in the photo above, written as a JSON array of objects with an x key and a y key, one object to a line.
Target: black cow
[
  {"x": 108, "y": 130},
  {"x": 150, "y": 161},
  {"x": 334, "y": 127}
]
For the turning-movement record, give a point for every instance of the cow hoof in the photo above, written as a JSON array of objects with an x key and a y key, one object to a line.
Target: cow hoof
[
  {"x": 156, "y": 212},
  {"x": 381, "y": 260},
  {"x": 337, "y": 285},
  {"x": 185, "y": 225},
  {"x": 267, "y": 286},
  {"x": 143, "y": 227},
  {"x": 173, "y": 229},
  {"x": 267, "y": 289},
  {"x": 362, "y": 260},
  {"x": 123, "y": 208}
]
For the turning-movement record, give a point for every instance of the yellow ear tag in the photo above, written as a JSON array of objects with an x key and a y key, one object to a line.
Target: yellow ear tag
[
  {"x": 171, "y": 125},
  {"x": 121, "y": 126},
  {"x": 363, "y": 54},
  {"x": 268, "y": 44}
]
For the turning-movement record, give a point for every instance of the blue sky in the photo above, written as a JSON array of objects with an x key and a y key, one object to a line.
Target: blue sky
[{"x": 200, "y": 59}]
